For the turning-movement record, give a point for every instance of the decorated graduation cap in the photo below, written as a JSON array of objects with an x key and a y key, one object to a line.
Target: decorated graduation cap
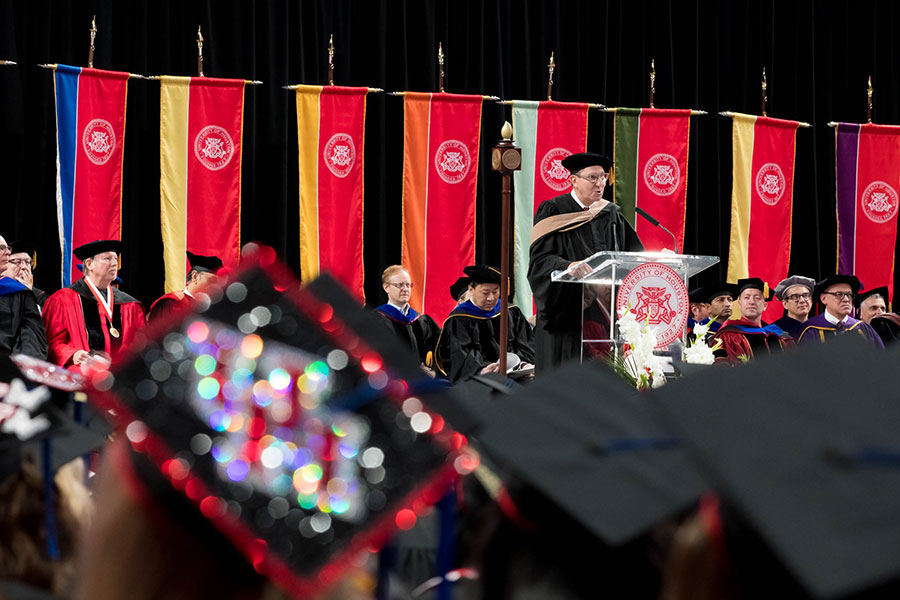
[
  {"x": 26, "y": 247},
  {"x": 458, "y": 287},
  {"x": 482, "y": 274},
  {"x": 826, "y": 283},
  {"x": 794, "y": 280},
  {"x": 708, "y": 293},
  {"x": 611, "y": 466},
  {"x": 753, "y": 283},
  {"x": 94, "y": 248},
  {"x": 293, "y": 427},
  {"x": 583, "y": 160},
  {"x": 205, "y": 264},
  {"x": 814, "y": 476},
  {"x": 879, "y": 291}
]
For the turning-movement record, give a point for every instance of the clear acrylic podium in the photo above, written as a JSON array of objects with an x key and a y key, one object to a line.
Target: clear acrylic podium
[{"x": 601, "y": 285}]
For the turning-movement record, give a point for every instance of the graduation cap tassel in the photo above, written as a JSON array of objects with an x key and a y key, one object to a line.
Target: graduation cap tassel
[
  {"x": 445, "y": 551},
  {"x": 49, "y": 515}
]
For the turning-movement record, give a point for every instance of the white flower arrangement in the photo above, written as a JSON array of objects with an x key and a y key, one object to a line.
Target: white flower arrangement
[
  {"x": 699, "y": 352},
  {"x": 639, "y": 366}
]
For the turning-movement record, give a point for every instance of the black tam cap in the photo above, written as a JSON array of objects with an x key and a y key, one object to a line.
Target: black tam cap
[
  {"x": 86, "y": 251},
  {"x": 26, "y": 247},
  {"x": 754, "y": 283},
  {"x": 612, "y": 466},
  {"x": 459, "y": 287},
  {"x": 826, "y": 283},
  {"x": 879, "y": 291},
  {"x": 207, "y": 264},
  {"x": 583, "y": 160},
  {"x": 482, "y": 274},
  {"x": 708, "y": 293},
  {"x": 813, "y": 468}
]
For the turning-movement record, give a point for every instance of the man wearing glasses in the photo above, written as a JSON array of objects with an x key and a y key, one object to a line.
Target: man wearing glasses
[
  {"x": 22, "y": 263},
  {"x": 568, "y": 229},
  {"x": 744, "y": 339},
  {"x": 418, "y": 332},
  {"x": 21, "y": 328},
  {"x": 836, "y": 293},
  {"x": 795, "y": 294}
]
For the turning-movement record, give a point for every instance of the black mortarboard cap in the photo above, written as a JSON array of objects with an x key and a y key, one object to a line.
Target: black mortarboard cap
[
  {"x": 301, "y": 434},
  {"x": 710, "y": 292},
  {"x": 826, "y": 283},
  {"x": 94, "y": 248},
  {"x": 754, "y": 283},
  {"x": 583, "y": 160},
  {"x": 607, "y": 462},
  {"x": 458, "y": 287},
  {"x": 482, "y": 274},
  {"x": 209, "y": 264},
  {"x": 881, "y": 291},
  {"x": 811, "y": 461}
]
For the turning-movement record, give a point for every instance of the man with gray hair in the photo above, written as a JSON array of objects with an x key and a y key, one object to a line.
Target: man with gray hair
[
  {"x": 795, "y": 293},
  {"x": 21, "y": 328}
]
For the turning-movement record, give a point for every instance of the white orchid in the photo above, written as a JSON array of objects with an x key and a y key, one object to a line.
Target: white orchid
[
  {"x": 641, "y": 366},
  {"x": 699, "y": 352}
]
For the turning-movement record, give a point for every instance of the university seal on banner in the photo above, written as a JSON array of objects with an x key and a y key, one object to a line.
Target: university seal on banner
[
  {"x": 452, "y": 161},
  {"x": 98, "y": 141},
  {"x": 213, "y": 147},
  {"x": 879, "y": 202},
  {"x": 657, "y": 295},
  {"x": 770, "y": 183},
  {"x": 662, "y": 174},
  {"x": 339, "y": 154},
  {"x": 553, "y": 173}
]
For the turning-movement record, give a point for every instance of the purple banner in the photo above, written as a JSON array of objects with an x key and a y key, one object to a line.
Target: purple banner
[{"x": 846, "y": 155}]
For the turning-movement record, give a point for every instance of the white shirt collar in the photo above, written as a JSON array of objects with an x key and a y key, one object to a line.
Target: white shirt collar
[
  {"x": 575, "y": 198},
  {"x": 187, "y": 293},
  {"x": 402, "y": 309},
  {"x": 834, "y": 320}
]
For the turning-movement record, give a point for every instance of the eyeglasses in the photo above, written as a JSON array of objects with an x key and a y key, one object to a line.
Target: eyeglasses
[
  {"x": 594, "y": 179},
  {"x": 5, "y": 248},
  {"x": 401, "y": 286},
  {"x": 798, "y": 297},
  {"x": 842, "y": 295},
  {"x": 21, "y": 261}
]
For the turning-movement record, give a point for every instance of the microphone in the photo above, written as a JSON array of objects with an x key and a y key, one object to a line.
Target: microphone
[{"x": 656, "y": 223}]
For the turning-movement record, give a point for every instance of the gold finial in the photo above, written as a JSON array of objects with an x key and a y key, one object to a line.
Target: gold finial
[
  {"x": 550, "y": 67},
  {"x": 93, "y": 37},
  {"x": 506, "y": 131},
  {"x": 199, "y": 52},
  {"x": 441, "y": 66},
  {"x": 331, "y": 59},
  {"x": 765, "y": 97},
  {"x": 869, "y": 92},
  {"x": 652, "y": 80}
]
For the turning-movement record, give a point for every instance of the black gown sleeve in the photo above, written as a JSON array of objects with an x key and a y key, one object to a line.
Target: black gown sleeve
[
  {"x": 32, "y": 337},
  {"x": 521, "y": 335},
  {"x": 460, "y": 351}
]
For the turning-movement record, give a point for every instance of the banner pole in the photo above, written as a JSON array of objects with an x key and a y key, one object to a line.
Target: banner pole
[
  {"x": 551, "y": 68},
  {"x": 93, "y": 37}
]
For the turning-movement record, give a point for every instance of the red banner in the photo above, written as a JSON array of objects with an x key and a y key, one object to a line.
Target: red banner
[{"x": 440, "y": 172}]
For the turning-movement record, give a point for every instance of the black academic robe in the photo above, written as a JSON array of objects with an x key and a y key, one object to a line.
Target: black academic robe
[
  {"x": 21, "y": 327},
  {"x": 558, "y": 327},
  {"x": 419, "y": 333},
  {"x": 469, "y": 342}
]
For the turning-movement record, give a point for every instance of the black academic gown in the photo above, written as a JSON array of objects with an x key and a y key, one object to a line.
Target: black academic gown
[
  {"x": 468, "y": 343},
  {"x": 21, "y": 327},
  {"x": 420, "y": 334},
  {"x": 558, "y": 327}
]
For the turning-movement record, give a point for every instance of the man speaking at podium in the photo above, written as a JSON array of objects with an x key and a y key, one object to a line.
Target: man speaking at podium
[{"x": 568, "y": 229}]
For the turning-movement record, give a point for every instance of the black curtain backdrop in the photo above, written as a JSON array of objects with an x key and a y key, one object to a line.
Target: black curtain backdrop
[{"x": 709, "y": 55}]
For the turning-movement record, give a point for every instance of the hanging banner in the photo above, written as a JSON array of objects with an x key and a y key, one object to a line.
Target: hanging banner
[
  {"x": 90, "y": 138},
  {"x": 651, "y": 162},
  {"x": 200, "y": 134},
  {"x": 867, "y": 178},
  {"x": 440, "y": 172},
  {"x": 761, "y": 199},
  {"x": 331, "y": 137},
  {"x": 547, "y": 132}
]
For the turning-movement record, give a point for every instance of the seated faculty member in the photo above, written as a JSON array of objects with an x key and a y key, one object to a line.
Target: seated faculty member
[
  {"x": 795, "y": 294},
  {"x": 21, "y": 328},
  {"x": 203, "y": 272},
  {"x": 749, "y": 337},
  {"x": 91, "y": 318},
  {"x": 417, "y": 332},
  {"x": 836, "y": 293},
  {"x": 470, "y": 341},
  {"x": 568, "y": 229}
]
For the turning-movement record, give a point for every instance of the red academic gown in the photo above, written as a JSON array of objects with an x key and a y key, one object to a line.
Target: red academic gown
[
  {"x": 75, "y": 320},
  {"x": 168, "y": 304}
]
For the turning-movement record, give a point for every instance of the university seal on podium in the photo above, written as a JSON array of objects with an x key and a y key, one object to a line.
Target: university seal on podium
[{"x": 656, "y": 294}]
